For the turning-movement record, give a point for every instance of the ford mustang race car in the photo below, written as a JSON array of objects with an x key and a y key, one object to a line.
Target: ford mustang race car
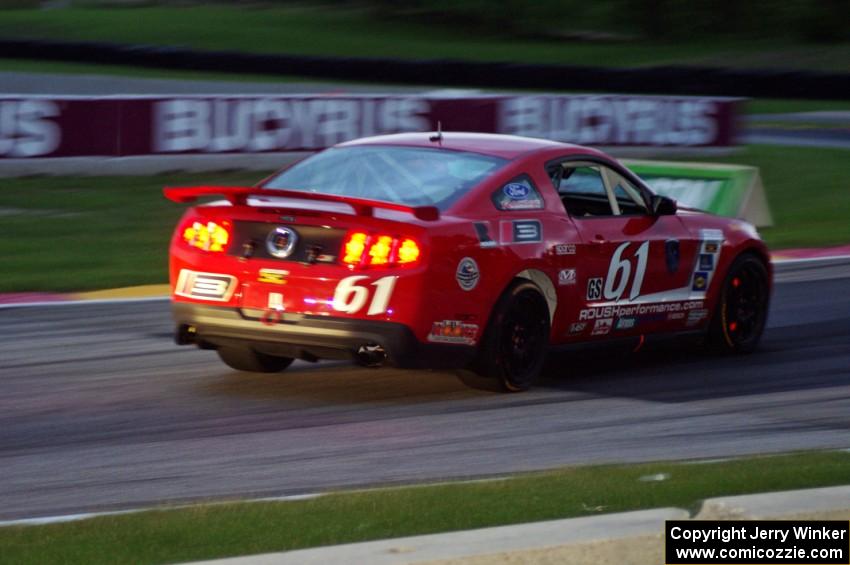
[{"x": 455, "y": 250}]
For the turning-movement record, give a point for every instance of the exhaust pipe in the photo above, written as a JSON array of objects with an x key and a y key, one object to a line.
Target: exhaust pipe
[
  {"x": 370, "y": 355},
  {"x": 185, "y": 335}
]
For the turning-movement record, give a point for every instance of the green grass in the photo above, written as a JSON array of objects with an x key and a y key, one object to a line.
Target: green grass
[
  {"x": 808, "y": 191},
  {"x": 90, "y": 233},
  {"x": 332, "y": 31},
  {"x": 212, "y": 531},
  {"x": 87, "y": 233}
]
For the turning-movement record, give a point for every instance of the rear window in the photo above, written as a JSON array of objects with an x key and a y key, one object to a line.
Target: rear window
[{"x": 412, "y": 176}]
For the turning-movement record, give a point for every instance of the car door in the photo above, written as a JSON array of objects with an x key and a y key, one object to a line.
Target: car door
[{"x": 635, "y": 270}]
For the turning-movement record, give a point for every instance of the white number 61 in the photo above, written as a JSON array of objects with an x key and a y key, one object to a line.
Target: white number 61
[{"x": 349, "y": 297}]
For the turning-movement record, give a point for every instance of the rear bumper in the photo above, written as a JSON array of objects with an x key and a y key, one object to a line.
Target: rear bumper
[{"x": 314, "y": 337}]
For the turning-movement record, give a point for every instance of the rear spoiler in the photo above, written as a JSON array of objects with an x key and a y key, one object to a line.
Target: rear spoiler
[{"x": 238, "y": 196}]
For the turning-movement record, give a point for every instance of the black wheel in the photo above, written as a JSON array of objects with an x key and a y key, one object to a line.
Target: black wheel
[
  {"x": 246, "y": 359},
  {"x": 741, "y": 312},
  {"x": 514, "y": 345}
]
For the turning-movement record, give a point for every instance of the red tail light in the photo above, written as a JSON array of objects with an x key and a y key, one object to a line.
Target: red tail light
[
  {"x": 206, "y": 235},
  {"x": 379, "y": 249}
]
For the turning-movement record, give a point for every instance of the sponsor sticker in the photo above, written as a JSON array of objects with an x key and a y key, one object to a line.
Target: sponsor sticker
[
  {"x": 711, "y": 235},
  {"x": 602, "y": 327},
  {"x": 482, "y": 230},
  {"x": 676, "y": 316},
  {"x": 274, "y": 313},
  {"x": 626, "y": 323},
  {"x": 276, "y": 301},
  {"x": 467, "y": 274},
  {"x": 696, "y": 316},
  {"x": 644, "y": 311},
  {"x": 526, "y": 231},
  {"x": 578, "y": 327},
  {"x": 710, "y": 247},
  {"x": 453, "y": 331},
  {"x": 700, "y": 280},
  {"x": 706, "y": 262},
  {"x": 671, "y": 252},
  {"x": 527, "y": 204},
  {"x": 566, "y": 277},
  {"x": 594, "y": 288},
  {"x": 272, "y": 276},
  {"x": 565, "y": 249},
  {"x": 516, "y": 191}
]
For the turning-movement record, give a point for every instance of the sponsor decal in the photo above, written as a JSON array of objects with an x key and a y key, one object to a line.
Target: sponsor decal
[
  {"x": 482, "y": 230},
  {"x": 272, "y": 276},
  {"x": 711, "y": 235},
  {"x": 255, "y": 124},
  {"x": 281, "y": 242},
  {"x": 706, "y": 262},
  {"x": 676, "y": 316},
  {"x": 577, "y": 327},
  {"x": 28, "y": 128},
  {"x": 696, "y": 316},
  {"x": 602, "y": 327},
  {"x": 274, "y": 313},
  {"x": 700, "y": 281},
  {"x": 710, "y": 247},
  {"x": 527, "y": 204},
  {"x": 594, "y": 288},
  {"x": 613, "y": 120},
  {"x": 566, "y": 276},
  {"x": 205, "y": 286},
  {"x": 671, "y": 252},
  {"x": 276, "y": 301},
  {"x": 626, "y": 323},
  {"x": 521, "y": 231},
  {"x": 642, "y": 310},
  {"x": 467, "y": 274},
  {"x": 516, "y": 191},
  {"x": 453, "y": 331},
  {"x": 565, "y": 249}
]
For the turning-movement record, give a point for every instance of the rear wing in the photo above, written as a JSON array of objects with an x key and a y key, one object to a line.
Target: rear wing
[{"x": 238, "y": 196}]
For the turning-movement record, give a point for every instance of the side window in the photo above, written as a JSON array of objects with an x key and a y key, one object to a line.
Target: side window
[
  {"x": 518, "y": 194},
  {"x": 582, "y": 190},
  {"x": 629, "y": 198}
]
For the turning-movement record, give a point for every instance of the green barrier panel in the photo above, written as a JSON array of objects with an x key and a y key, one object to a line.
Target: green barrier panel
[{"x": 735, "y": 191}]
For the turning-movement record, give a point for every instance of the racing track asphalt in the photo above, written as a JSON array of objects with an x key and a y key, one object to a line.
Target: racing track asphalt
[{"x": 100, "y": 411}]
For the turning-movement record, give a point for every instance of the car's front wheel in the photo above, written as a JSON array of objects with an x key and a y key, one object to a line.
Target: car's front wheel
[
  {"x": 514, "y": 346},
  {"x": 741, "y": 312},
  {"x": 246, "y": 359}
]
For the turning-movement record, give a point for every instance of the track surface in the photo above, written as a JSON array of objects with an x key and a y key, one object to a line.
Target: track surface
[{"x": 101, "y": 411}]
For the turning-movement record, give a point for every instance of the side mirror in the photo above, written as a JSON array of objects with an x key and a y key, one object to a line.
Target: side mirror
[{"x": 663, "y": 206}]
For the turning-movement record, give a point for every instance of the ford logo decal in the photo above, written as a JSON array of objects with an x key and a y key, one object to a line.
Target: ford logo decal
[{"x": 281, "y": 242}]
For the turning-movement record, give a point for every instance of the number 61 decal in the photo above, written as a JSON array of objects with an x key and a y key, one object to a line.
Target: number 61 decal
[
  {"x": 350, "y": 297},
  {"x": 620, "y": 269}
]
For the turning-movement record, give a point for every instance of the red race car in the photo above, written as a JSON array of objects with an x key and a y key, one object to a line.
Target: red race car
[{"x": 456, "y": 249}]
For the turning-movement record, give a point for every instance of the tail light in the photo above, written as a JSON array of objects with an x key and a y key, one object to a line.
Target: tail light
[
  {"x": 379, "y": 249},
  {"x": 207, "y": 235}
]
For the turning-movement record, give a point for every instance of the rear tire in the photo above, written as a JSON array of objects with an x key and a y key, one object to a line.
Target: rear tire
[
  {"x": 513, "y": 349},
  {"x": 246, "y": 359},
  {"x": 740, "y": 316}
]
